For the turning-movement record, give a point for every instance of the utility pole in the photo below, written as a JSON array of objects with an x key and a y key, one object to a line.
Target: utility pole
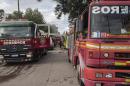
[
  {"x": 18, "y": 10},
  {"x": 78, "y": 7}
]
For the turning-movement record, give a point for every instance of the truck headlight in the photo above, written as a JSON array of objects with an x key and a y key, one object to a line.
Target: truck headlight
[
  {"x": 106, "y": 55},
  {"x": 29, "y": 55},
  {"x": 1, "y": 56}
]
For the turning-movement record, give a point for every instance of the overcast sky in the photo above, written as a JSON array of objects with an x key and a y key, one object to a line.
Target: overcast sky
[{"x": 46, "y": 7}]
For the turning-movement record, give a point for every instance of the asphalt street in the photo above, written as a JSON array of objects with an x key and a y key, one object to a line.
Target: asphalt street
[{"x": 52, "y": 70}]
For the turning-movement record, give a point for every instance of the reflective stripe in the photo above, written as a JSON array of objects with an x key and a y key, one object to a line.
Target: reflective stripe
[
  {"x": 92, "y": 46},
  {"x": 113, "y": 47},
  {"x": 127, "y": 80},
  {"x": 128, "y": 62},
  {"x": 120, "y": 64},
  {"x": 104, "y": 46}
]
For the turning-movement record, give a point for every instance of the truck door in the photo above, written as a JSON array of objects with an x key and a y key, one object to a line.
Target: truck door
[
  {"x": 83, "y": 35},
  {"x": 45, "y": 35}
]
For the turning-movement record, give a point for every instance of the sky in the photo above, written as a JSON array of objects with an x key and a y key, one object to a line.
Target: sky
[{"x": 46, "y": 7}]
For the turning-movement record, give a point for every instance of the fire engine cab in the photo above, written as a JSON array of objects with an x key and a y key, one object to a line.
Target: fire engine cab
[
  {"x": 101, "y": 50},
  {"x": 20, "y": 41}
]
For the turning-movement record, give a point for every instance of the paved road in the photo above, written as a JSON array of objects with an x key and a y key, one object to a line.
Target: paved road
[{"x": 51, "y": 70}]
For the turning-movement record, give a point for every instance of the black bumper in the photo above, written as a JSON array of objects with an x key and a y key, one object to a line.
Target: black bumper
[{"x": 17, "y": 57}]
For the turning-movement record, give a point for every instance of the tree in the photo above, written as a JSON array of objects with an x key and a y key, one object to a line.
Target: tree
[
  {"x": 31, "y": 15},
  {"x": 15, "y": 15},
  {"x": 2, "y": 14},
  {"x": 72, "y": 7},
  {"x": 34, "y": 15}
]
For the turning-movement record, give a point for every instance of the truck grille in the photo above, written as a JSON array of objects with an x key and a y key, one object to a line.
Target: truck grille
[
  {"x": 122, "y": 55},
  {"x": 122, "y": 75},
  {"x": 13, "y": 48},
  {"x": 122, "y": 85}
]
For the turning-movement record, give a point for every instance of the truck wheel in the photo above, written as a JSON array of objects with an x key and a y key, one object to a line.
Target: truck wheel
[
  {"x": 36, "y": 57},
  {"x": 79, "y": 76},
  {"x": 45, "y": 52},
  {"x": 40, "y": 54},
  {"x": 4, "y": 62},
  {"x": 68, "y": 59}
]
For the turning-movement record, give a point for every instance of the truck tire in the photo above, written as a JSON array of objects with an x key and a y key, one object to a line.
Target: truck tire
[
  {"x": 69, "y": 60},
  {"x": 81, "y": 83},
  {"x": 69, "y": 57},
  {"x": 36, "y": 57},
  {"x": 45, "y": 53}
]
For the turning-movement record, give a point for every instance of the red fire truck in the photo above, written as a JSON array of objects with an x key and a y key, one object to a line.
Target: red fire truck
[
  {"x": 21, "y": 41},
  {"x": 47, "y": 33},
  {"x": 101, "y": 51}
]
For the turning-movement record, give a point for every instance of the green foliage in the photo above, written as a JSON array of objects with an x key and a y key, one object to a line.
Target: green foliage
[
  {"x": 72, "y": 7},
  {"x": 1, "y": 13},
  {"x": 15, "y": 15},
  {"x": 34, "y": 15},
  {"x": 31, "y": 15}
]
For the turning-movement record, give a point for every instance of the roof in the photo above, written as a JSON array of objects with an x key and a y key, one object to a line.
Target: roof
[{"x": 16, "y": 23}]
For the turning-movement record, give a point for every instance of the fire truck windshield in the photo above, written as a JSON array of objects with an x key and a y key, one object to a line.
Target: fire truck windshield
[
  {"x": 9, "y": 32},
  {"x": 110, "y": 22}
]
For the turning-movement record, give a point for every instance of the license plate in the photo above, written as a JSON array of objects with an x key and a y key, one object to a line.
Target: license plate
[{"x": 15, "y": 55}]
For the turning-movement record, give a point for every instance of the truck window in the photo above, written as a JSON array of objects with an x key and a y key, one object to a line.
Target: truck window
[
  {"x": 83, "y": 24},
  {"x": 110, "y": 25},
  {"x": 15, "y": 31}
]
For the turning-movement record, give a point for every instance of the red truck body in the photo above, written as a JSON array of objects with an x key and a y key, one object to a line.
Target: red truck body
[
  {"x": 21, "y": 41},
  {"x": 102, "y": 55}
]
